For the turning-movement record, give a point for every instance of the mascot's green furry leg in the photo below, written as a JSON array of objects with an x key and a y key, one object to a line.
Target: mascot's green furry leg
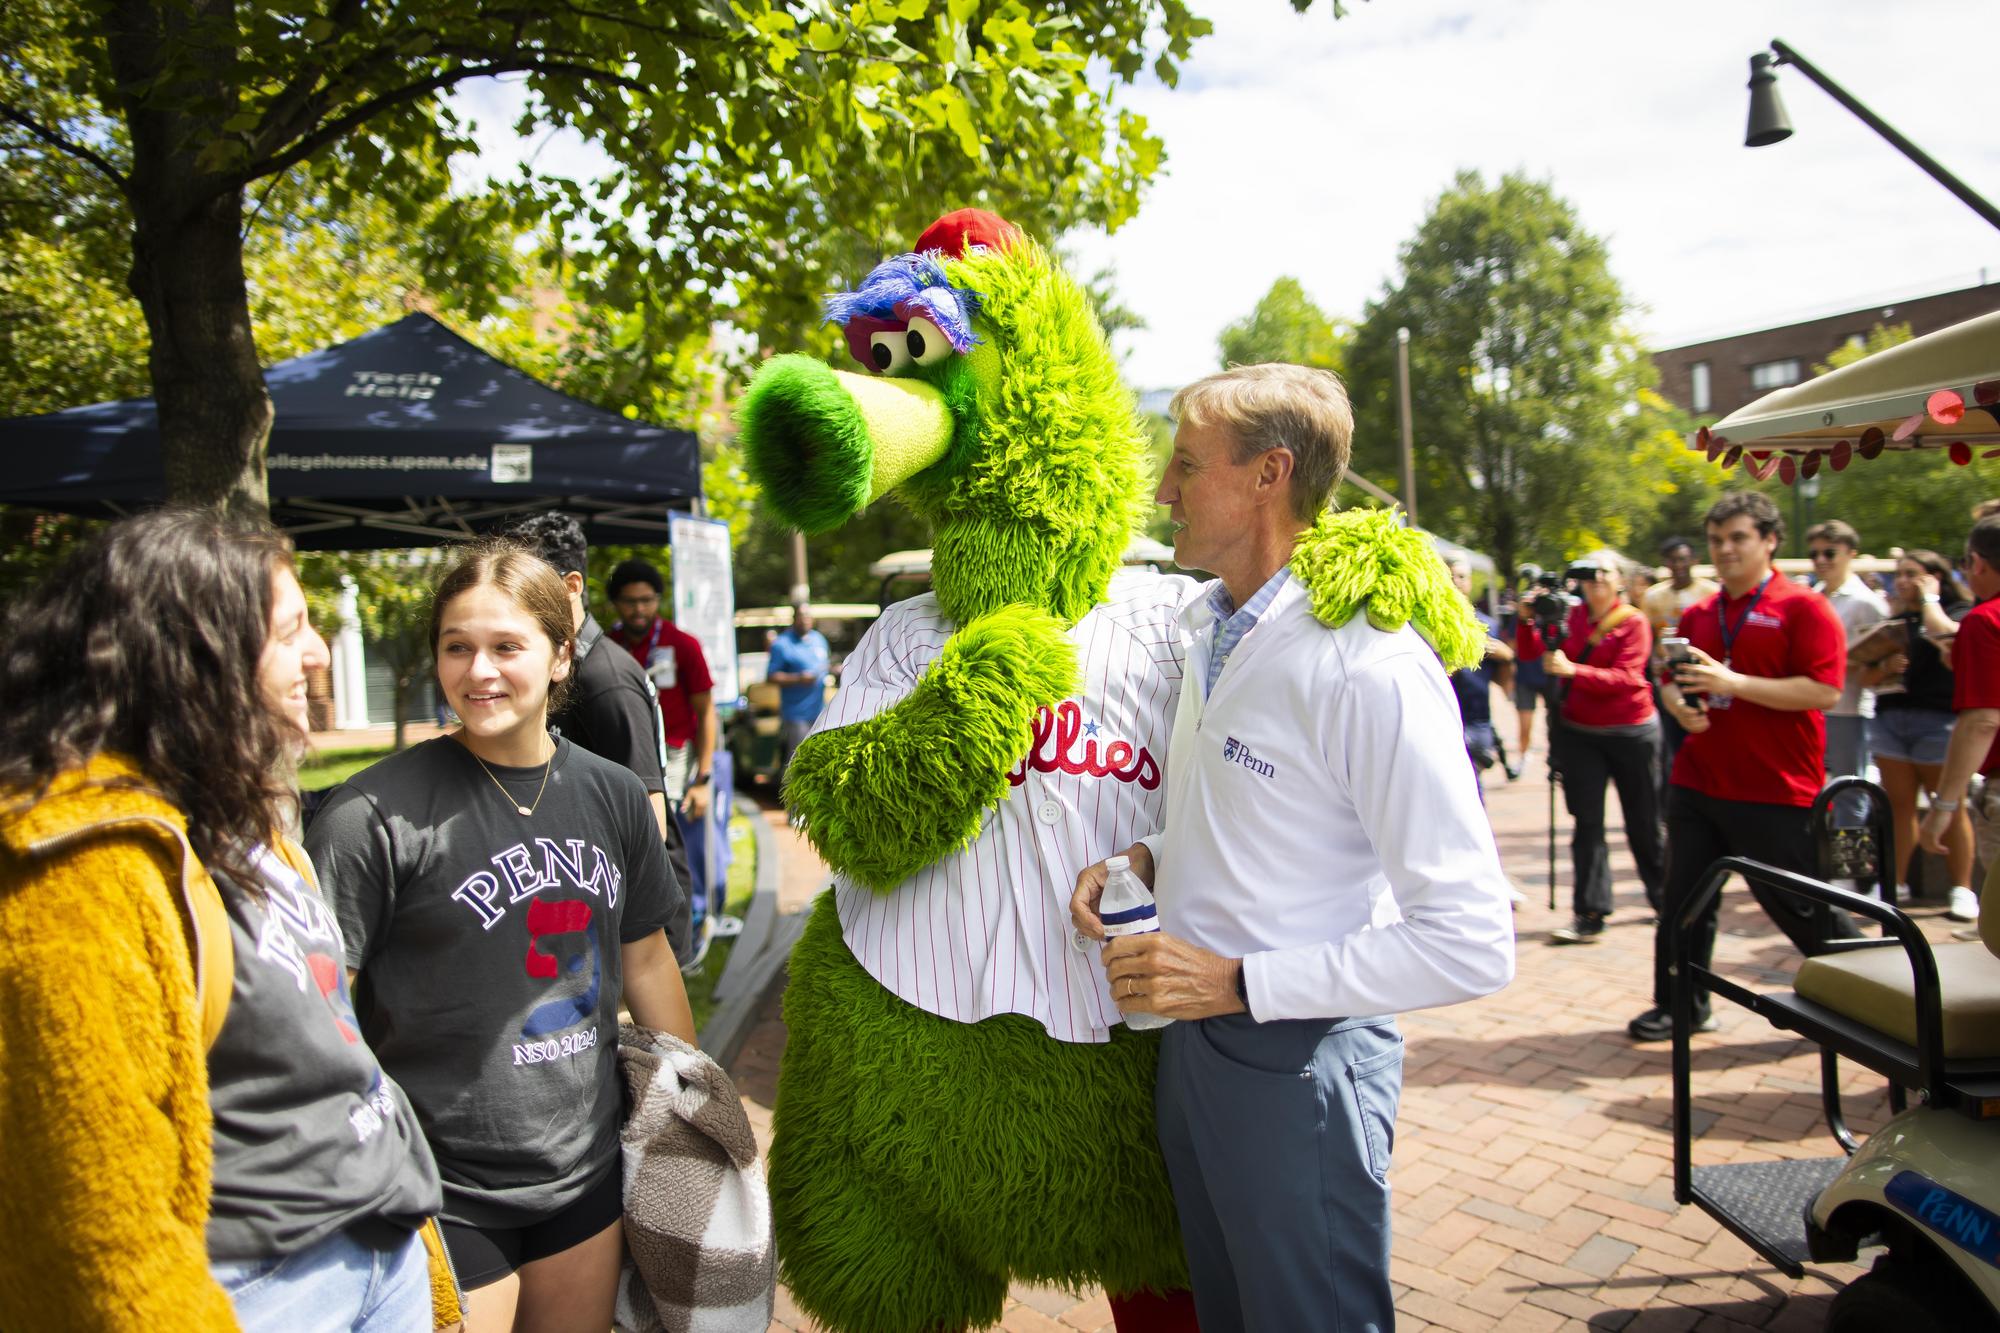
[{"x": 920, "y": 1164}]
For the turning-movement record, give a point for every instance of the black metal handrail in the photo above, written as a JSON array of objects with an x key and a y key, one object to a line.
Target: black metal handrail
[{"x": 1899, "y": 927}]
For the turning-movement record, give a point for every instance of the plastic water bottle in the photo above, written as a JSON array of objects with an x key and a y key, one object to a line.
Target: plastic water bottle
[{"x": 1127, "y": 908}]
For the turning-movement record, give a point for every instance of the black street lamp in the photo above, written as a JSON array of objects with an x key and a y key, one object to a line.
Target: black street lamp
[{"x": 1769, "y": 124}]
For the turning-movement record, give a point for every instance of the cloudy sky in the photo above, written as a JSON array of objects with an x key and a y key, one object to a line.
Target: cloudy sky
[
  {"x": 1311, "y": 147},
  {"x": 1300, "y": 145}
]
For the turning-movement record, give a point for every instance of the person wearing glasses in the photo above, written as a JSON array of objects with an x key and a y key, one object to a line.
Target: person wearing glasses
[
  {"x": 1606, "y": 731},
  {"x": 1913, "y": 715},
  {"x": 675, "y": 661},
  {"x": 1833, "y": 546}
]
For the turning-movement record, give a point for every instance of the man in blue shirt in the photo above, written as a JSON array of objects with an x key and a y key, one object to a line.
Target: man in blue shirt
[{"x": 798, "y": 666}]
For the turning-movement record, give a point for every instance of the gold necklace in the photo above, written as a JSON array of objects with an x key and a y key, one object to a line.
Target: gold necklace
[{"x": 519, "y": 809}]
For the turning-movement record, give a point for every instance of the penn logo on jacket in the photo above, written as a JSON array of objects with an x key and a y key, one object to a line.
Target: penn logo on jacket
[{"x": 1236, "y": 752}]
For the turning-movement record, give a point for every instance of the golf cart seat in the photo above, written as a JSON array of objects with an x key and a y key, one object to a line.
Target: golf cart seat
[{"x": 1877, "y": 989}]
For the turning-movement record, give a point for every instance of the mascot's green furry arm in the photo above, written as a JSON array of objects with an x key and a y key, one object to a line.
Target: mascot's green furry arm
[{"x": 856, "y": 789}]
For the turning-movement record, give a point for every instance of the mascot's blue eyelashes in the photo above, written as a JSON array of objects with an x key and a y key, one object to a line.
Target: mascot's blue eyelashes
[{"x": 899, "y": 291}]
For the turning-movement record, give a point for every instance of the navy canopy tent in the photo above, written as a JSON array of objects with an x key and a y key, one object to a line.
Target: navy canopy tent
[{"x": 407, "y": 436}]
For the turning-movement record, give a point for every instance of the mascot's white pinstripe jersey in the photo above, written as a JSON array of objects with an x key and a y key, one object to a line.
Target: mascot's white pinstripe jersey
[{"x": 987, "y": 931}]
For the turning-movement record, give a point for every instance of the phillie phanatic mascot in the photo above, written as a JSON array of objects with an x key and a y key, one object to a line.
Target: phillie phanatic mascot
[{"x": 959, "y": 1104}]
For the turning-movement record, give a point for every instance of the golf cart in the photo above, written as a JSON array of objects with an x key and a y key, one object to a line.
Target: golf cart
[
  {"x": 751, "y": 728},
  {"x": 1925, "y": 1188}
]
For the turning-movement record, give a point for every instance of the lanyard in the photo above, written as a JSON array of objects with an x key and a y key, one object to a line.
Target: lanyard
[{"x": 1729, "y": 633}]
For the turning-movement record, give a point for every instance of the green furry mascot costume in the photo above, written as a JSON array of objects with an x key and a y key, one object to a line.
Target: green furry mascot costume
[{"x": 959, "y": 1105}]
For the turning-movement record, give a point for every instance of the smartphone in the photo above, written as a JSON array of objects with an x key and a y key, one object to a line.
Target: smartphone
[{"x": 1679, "y": 654}]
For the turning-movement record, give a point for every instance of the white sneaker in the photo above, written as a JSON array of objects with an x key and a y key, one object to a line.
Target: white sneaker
[{"x": 1964, "y": 905}]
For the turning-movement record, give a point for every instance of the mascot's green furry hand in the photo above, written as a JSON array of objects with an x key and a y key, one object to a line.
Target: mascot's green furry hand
[
  {"x": 1366, "y": 560},
  {"x": 854, "y": 791}
]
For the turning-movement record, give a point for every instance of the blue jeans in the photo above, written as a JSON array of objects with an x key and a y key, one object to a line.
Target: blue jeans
[
  {"x": 1847, "y": 756},
  {"x": 1277, "y": 1139},
  {"x": 336, "y": 1286}
]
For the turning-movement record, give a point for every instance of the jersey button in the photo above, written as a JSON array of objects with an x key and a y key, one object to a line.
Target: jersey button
[{"x": 1049, "y": 812}]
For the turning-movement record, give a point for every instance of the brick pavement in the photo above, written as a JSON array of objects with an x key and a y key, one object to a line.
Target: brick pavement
[{"x": 1531, "y": 1182}]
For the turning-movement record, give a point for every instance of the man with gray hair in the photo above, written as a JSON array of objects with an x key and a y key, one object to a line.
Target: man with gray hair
[{"x": 1324, "y": 863}]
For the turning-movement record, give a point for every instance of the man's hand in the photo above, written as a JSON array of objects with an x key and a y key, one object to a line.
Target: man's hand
[
  {"x": 695, "y": 804},
  {"x": 1090, "y": 887},
  {"x": 1557, "y": 664},
  {"x": 1498, "y": 651},
  {"x": 1158, "y": 974},
  {"x": 1930, "y": 834},
  {"x": 1705, "y": 675},
  {"x": 1693, "y": 720}
]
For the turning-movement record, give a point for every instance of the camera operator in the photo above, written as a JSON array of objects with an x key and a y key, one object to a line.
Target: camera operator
[
  {"x": 1755, "y": 666},
  {"x": 1604, "y": 729},
  {"x": 1531, "y": 678}
]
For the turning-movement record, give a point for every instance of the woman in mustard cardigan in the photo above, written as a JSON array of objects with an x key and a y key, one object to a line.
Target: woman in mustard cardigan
[{"x": 196, "y": 1137}]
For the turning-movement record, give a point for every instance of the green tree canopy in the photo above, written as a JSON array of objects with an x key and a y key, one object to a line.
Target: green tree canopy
[
  {"x": 1525, "y": 384},
  {"x": 1286, "y": 325},
  {"x": 762, "y": 148}
]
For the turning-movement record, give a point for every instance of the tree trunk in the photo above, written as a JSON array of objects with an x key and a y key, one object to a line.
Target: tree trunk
[{"x": 187, "y": 248}]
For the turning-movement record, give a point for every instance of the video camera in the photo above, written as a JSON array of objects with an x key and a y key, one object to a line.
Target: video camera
[{"x": 1546, "y": 599}]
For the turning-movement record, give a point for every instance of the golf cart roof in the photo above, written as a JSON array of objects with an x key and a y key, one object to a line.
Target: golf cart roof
[{"x": 1940, "y": 391}]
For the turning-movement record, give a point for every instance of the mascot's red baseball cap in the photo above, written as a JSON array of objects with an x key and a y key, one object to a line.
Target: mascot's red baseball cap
[{"x": 958, "y": 231}]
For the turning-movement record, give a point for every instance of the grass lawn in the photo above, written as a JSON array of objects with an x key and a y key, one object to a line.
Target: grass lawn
[{"x": 330, "y": 768}]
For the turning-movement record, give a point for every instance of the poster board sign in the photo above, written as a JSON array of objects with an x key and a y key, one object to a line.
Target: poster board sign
[{"x": 705, "y": 595}]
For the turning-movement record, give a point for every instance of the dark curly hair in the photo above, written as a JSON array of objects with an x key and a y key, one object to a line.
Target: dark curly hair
[
  {"x": 557, "y": 538},
  {"x": 146, "y": 643}
]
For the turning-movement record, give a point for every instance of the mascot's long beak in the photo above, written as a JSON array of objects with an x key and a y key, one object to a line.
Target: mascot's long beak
[{"x": 824, "y": 443}]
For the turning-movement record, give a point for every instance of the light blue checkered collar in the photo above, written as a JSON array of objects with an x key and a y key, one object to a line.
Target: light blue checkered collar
[{"x": 1233, "y": 622}]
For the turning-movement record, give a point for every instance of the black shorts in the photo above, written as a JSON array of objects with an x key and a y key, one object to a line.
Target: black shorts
[{"x": 484, "y": 1255}]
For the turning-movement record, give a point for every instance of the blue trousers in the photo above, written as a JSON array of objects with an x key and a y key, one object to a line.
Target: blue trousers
[{"x": 1277, "y": 1139}]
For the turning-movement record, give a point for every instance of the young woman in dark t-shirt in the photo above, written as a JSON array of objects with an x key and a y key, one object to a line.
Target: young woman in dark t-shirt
[
  {"x": 501, "y": 891},
  {"x": 1912, "y": 726}
]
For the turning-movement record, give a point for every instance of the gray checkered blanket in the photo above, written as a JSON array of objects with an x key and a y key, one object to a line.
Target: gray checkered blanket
[{"x": 697, "y": 1216}]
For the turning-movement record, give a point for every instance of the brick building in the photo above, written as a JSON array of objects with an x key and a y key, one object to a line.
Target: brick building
[{"x": 1714, "y": 378}]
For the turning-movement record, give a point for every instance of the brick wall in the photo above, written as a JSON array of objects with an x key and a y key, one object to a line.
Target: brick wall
[{"x": 1730, "y": 359}]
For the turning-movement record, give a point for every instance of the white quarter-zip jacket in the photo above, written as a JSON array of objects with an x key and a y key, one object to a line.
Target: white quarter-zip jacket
[{"x": 1323, "y": 823}]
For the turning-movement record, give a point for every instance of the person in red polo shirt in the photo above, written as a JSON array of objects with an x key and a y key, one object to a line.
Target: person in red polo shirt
[
  {"x": 1975, "y": 667},
  {"x": 674, "y": 660},
  {"x": 1769, "y": 657}
]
